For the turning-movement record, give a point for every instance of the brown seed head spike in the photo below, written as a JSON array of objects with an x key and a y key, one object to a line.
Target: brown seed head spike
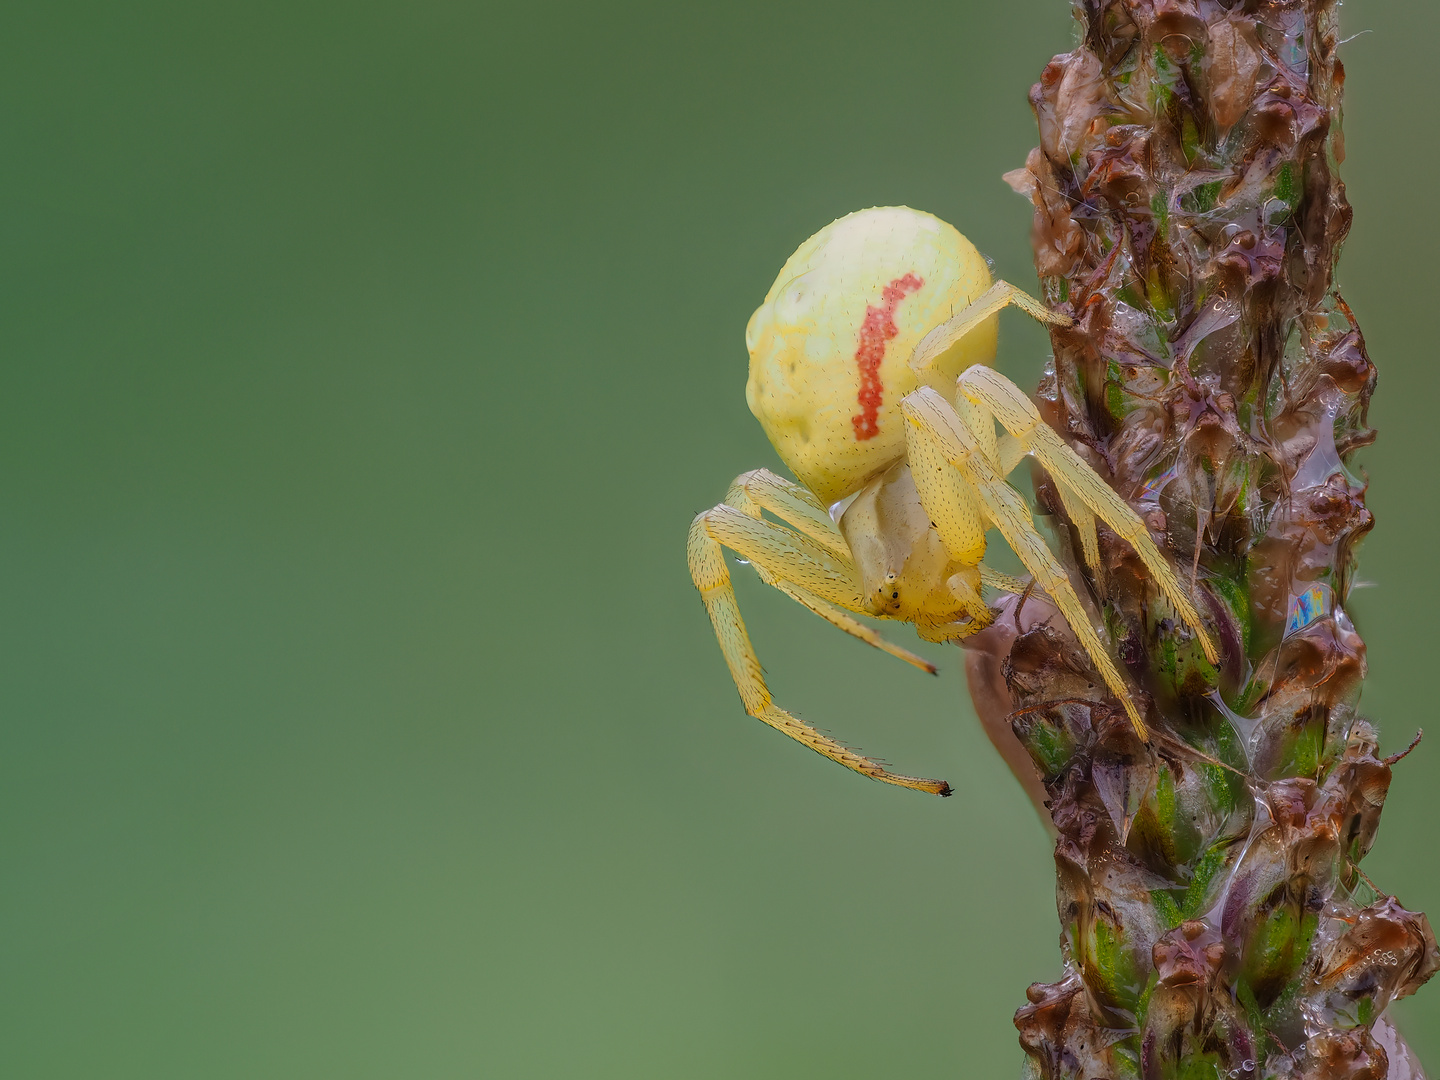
[{"x": 1188, "y": 216}]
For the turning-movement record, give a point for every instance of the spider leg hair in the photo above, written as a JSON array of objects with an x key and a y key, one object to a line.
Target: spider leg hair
[
  {"x": 788, "y": 556},
  {"x": 934, "y": 427},
  {"x": 1004, "y": 582},
  {"x": 1078, "y": 482},
  {"x": 989, "y": 303},
  {"x": 797, "y": 506}
]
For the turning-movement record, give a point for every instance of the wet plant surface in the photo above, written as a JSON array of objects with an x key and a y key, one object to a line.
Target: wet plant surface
[{"x": 1188, "y": 213}]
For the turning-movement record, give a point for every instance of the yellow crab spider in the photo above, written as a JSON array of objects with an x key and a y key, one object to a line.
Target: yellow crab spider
[{"x": 868, "y": 371}]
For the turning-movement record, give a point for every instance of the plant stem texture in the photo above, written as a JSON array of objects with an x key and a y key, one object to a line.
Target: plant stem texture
[{"x": 1188, "y": 214}]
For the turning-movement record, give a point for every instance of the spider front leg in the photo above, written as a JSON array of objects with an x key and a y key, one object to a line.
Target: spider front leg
[
  {"x": 986, "y": 389},
  {"x": 947, "y": 335},
  {"x": 936, "y": 433},
  {"x": 985, "y": 396},
  {"x": 782, "y": 556}
]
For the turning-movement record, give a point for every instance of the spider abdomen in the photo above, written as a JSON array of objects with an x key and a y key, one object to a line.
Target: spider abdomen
[{"x": 831, "y": 344}]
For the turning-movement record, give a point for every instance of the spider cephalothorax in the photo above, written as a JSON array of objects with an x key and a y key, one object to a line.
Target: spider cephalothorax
[{"x": 868, "y": 372}]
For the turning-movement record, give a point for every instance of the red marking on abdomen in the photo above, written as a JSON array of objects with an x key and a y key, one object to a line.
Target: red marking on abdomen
[{"x": 878, "y": 328}]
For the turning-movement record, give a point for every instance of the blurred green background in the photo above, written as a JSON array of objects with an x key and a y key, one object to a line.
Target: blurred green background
[{"x": 363, "y": 366}]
